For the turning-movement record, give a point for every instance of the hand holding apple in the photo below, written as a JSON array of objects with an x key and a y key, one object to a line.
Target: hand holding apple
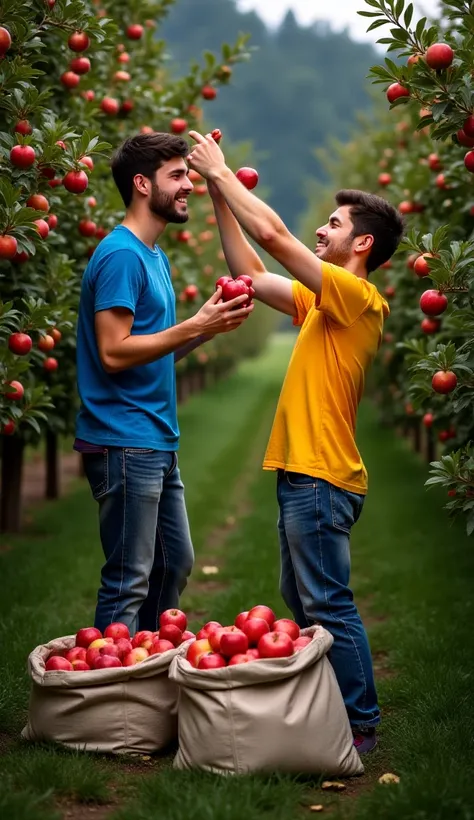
[{"x": 206, "y": 157}]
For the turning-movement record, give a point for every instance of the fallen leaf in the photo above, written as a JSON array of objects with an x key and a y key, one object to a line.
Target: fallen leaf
[
  {"x": 210, "y": 570},
  {"x": 319, "y": 807},
  {"x": 389, "y": 778},
  {"x": 146, "y": 757},
  {"x": 330, "y": 785}
]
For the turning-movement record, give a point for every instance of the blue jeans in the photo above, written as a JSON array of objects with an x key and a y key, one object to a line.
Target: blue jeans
[
  {"x": 144, "y": 532},
  {"x": 314, "y": 527}
]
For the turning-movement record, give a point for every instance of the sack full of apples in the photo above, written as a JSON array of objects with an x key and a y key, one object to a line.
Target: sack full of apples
[
  {"x": 261, "y": 695},
  {"x": 107, "y": 692}
]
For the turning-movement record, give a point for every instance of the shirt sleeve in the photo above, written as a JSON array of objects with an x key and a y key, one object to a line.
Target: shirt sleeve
[
  {"x": 304, "y": 300},
  {"x": 119, "y": 282},
  {"x": 344, "y": 297}
]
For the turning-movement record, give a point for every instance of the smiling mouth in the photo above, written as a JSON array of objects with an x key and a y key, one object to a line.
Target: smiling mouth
[{"x": 182, "y": 199}]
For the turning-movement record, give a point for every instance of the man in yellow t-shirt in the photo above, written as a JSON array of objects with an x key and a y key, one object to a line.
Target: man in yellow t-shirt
[{"x": 322, "y": 480}]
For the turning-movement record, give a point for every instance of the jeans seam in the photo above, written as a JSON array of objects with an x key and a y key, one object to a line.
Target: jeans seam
[
  {"x": 341, "y": 620},
  {"x": 124, "y": 476},
  {"x": 165, "y": 567}
]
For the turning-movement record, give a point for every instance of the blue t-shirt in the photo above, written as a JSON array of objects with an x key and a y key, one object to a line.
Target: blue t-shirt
[{"x": 135, "y": 407}]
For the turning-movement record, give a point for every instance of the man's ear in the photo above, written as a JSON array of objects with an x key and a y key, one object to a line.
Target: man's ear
[
  {"x": 142, "y": 184},
  {"x": 364, "y": 243}
]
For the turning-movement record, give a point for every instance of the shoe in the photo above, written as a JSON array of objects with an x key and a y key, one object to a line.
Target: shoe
[{"x": 365, "y": 741}]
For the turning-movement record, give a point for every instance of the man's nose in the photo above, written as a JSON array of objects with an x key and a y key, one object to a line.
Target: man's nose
[{"x": 321, "y": 233}]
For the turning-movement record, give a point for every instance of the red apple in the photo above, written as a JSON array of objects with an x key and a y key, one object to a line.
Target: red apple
[
  {"x": 17, "y": 392},
  {"x": 240, "y": 619},
  {"x": 5, "y": 40},
  {"x": 196, "y": 650},
  {"x": 444, "y": 381},
  {"x": 99, "y": 642},
  {"x": 234, "y": 643},
  {"x": 242, "y": 658},
  {"x": 23, "y": 127},
  {"x": 301, "y": 642},
  {"x": 178, "y": 125},
  {"x": 469, "y": 161},
  {"x": 190, "y": 293},
  {"x": 428, "y": 419},
  {"x": 216, "y": 135},
  {"x": 143, "y": 638},
  {"x": 20, "y": 343},
  {"x": 87, "y": 161},
  {"x": 275, "y": 645},
  {"x": 234, "y": 288},
  {"x": 385, "y": 179},
  {"x": 439, "y": 56},
  {"x": 76, "y": 182},
  {"x": 248, "y": 177},
  {"x": 70, "y": 80},
  {"x": 434, "y": 162},
  {"x": 137, "y": 655},
  {"x": 430, "y": 325},
  {"x": 212, "y": 661},
  {"x": 86, "y": 635},
  {"x": 159, "y": 646},
  {"x": 287, "y": 625},
  {"x": 262, "y": 611},
  {"x": 117, "y": 630},
  {"x": 8, "y": 428},
  {"x": 207, "y": 629},
  {"x": 134, "y": 31},
  {"x": 91, "y": 655},
  {"x": 110, "y": 105},
  {"x": 223, "y": 281},
  {"x": 19, "y": 257},
  {"x": 50, "y": 364},
  {"x": 215, "y": 635},
  {"x": 253, "y": 654},
  {"x": 254, "y": 628},
  {"x": 22, "y": 156},
  {"x": 433, "y": 303},
  {"x": 77, "y": 653},
  {"x": 78, "y": 41},
  {"x": 421, "y": 266},
  {"x": 42, "y": 227},
  {"x": 38, "y": 202},
  {"x": 124, "y": 646},
  {"x": 122, "y": 76},
  {"x": 107, "y": 662},
  {"x": 172, "y": 633},
  {"x": 110, "y": 649},
  {"x": 46, "y": 343},
  {"x": 8, "y": 247},
  {"x": 80, "y": 65},
  {"x": 395, "y": 91},
  {"x": 58, "y": 664},
  {"x": 80, "y": 666},
  {"x": 188, "y": 635},
  {"x": 208, "y": 92},
  {"x": 87, "y": 227}
]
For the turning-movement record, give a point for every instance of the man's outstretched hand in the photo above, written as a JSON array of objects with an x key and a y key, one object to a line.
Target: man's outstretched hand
[{"x": 206, "y": 157}]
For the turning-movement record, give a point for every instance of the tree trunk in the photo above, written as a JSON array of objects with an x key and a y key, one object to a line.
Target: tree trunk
[
  {"x": 52, "y": 466},
  {"x": 12, "y": 468}
]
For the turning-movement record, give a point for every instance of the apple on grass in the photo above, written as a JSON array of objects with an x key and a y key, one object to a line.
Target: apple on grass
[
  {"x": 86, "y": 635},
  {"x": 275, "y": 645}
]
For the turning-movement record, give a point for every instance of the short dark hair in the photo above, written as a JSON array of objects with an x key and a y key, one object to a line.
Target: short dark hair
[
  {"x": 371, "y": 214},
  {"x": 144, "y": 154}
]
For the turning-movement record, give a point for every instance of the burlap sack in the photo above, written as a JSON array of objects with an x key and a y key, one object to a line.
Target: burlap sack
[
  {"x": 118, "y": 711},
  {"x": 285, "y": 714}
]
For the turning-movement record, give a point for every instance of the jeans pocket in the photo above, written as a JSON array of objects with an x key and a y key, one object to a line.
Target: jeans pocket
[
  {"x": 300, "y": 481},
  {"x": 138, "y": 451},
  {"x": 346, "y": 508},
  {"x": 96, "y": 468}
]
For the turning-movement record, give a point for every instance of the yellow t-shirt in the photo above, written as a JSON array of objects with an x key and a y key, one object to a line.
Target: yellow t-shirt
[{"x": 314, "y": 427}]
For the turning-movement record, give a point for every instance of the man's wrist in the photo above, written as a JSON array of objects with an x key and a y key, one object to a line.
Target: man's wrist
[{"x": 192, "y": 327}]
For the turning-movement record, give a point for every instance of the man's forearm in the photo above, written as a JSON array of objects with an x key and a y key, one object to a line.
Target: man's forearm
[
  {"x": 239, "y": 254},
  {"x": 255, "y": 216},
  {"x": 185, "y": 350},
  {"x": 137, "y": 350}
]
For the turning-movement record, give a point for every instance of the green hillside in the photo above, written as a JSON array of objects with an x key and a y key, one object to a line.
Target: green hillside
[{"x": 301, "y": 86}]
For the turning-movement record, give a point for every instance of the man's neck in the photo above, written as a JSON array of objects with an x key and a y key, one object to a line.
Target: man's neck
[
  {"x": 145, "y": 227},
  {"x": 358, "y": 269}
]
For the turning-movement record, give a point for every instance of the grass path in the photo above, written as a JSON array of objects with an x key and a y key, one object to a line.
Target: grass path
[{"x": 411, "y": 571}]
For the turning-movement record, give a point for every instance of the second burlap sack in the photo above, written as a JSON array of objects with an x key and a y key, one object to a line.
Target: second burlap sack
[
  {"x": 284, "y": 714},
  {"x": 127, "y": 710}
]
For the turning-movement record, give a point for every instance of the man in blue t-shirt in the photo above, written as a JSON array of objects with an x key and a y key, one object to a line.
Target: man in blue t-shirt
[{"x": 127, "y": 345}]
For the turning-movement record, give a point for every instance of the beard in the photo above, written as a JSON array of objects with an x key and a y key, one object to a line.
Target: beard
[
  {"x": 163, "y": 205},
  {"x": 336, "y": 254}
]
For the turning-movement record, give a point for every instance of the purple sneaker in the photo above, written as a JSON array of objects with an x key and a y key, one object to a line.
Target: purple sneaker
[{"x": 365, "y": 741}]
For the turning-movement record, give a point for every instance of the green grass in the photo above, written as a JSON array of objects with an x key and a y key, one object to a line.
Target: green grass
[{"x": 411, "y": 569}]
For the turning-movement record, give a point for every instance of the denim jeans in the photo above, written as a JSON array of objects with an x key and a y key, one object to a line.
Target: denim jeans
[
  {"x": 314, "y": 527},
  {"x": 144, "y": 532}
]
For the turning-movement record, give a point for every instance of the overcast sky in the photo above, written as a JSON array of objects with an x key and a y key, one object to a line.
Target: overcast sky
[{"x": 340, "y": 13}]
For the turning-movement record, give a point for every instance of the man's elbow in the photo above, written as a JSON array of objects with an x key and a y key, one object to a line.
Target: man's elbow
[
  {"x": 110, "y": 362},
  {"x": 271, "y": 236}
]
